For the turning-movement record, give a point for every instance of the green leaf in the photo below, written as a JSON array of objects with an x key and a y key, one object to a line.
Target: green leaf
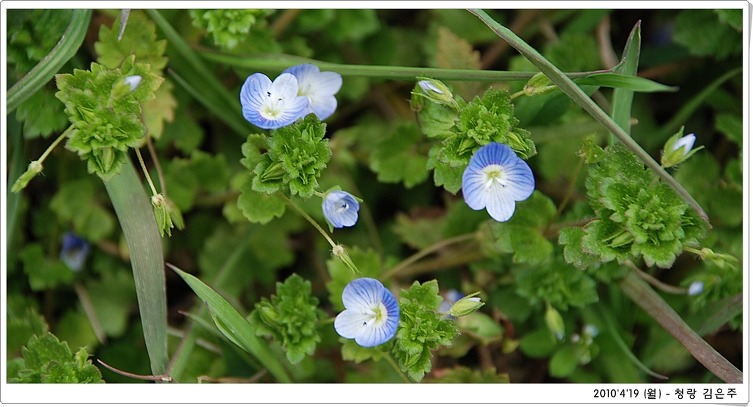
[
  {"x": 44, "y": 273},
  {"x": 353, "y": 352},
  {"x": 23, "y": 320},
  {"x": 46, "y": 69},
  {"x": 620, "y": 81},
  {"x": 556, "y": 283},
  {"x": 574, "y": 52},
  {"x": 42, "y": 114},
  {"x": 259, "y": 207},
  {"x": 733, "y": 17},
  {"x": 455, "y": 52},
  {"x": 421, "y": 329},
  {"x": 538, "y": 344},
  {"x": 481, "y": 327},
  {"x": 522, "y": 235},
  {"x": 139, "y": 39},
  {"x": 291, "y": 317},
  {"x": 700, "y": 32},
  {"x": 139, "y": 227},
  {"x": 234, "y": 326},
  {"x": 75, "y": 202},
  {"x": 229, "y": 28},
  {"x": 419, "y": 233},
  {"x": 397, "y": 157},
  {"x": 564, "y": 362},
  {"x": 112, "y": 297},
  {"x": 731, "y": 125},
  {"x": 47, "y": 360}
]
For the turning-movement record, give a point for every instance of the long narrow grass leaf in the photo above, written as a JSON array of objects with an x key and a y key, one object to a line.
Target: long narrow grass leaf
[
  {"x": 139, "y": 226},
  {"x": 645, "y": 297},
  {"x": 622, "y": 99},
  {"x": 234, "y": 326},
  {"x": 571, "y": 89},
  {"x": 63, "y": 51}
]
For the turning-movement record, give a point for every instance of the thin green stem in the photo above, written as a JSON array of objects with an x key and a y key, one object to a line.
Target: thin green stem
[
  {"x": 157, "y": 166},
  {"x": 669, "y": 289},
  {"x": 54, "y": 144},
  {"x": 86, "y": 304},
  {"x": 393, "y": 363},
  {"x": 146, "y": 172},
  {"x": 280, "y": 62},
  {"x": 581, "y": 98},
  {"x": 425, "y": 252},
  {"x": 310, "y": 220}
]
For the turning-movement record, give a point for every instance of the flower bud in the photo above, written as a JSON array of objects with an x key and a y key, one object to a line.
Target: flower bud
[
  {"x": 678, "y": 149},
  {"x": 538, "y": 85},
  {"x": 35, "y": 167},
  {"x": 466, "y": 305},
  {"x": 554, "y": 322},
  {"x": 133, "y": 81},
  {"x": 435, "y": 91}
]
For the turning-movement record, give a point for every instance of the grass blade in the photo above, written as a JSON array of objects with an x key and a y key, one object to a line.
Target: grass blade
[
  {"x": 624, "y": 85},
  {"x": 622, "y": 99},
  {"x": 136, "y": 218},
  {"x": 234, "y": 326},
  {"x": 43, "y": 72}
]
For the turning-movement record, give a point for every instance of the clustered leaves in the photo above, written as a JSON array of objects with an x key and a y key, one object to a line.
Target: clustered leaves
[
  {"x": 422, "y": 329},
  {"x": 105, "y": 113},
  {"x": 484, "y": 120},
  {"x": 290, "y": 317},
  {"x": 47, "y": 360},
  {"x": 228, "y": 28},
  {"x": 292, "y": 156},
  {"x": 638, "y": 216}
]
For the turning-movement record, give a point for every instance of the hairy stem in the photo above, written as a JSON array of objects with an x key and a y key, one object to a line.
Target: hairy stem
[{"x": 425, "y": 252}]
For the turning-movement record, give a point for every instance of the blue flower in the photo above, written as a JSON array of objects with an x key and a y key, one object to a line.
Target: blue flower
[
  {"x": 371, "y": 313},
  {"x": 495, "y": 179},
  {"x": 341, "y": 209},
  {"x": 271, "y": 105},
  {"x": 74, "y": 252},
  {"x": 318, "y": 87}
]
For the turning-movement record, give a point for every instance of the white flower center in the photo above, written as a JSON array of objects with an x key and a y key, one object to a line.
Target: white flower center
[
  {"x": 273, "y": 108},
  {"x": 377, "y": 315},
  {"x": 494, "y": 174}
]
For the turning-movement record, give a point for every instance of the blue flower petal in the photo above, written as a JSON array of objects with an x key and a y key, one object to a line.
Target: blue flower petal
[
  {"x": 271, "y": 105},
  {"x": 495, "y": 179},
  {"x": 319, "y": 87},
  {"x": 340, "y": 209},
  {"x": 372, "y": 313}
]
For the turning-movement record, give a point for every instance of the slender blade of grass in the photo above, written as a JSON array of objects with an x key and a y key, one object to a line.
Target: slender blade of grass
[
  {"x": 622, "y": 99},
  {"x": 234, "y": 326},
  {"x": 136, "y": 218},
  {"x": 44, "y": 71}
]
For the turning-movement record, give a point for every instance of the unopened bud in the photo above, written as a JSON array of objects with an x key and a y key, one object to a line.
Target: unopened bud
[
  {"x": 133, "y": 81},
  {"x": 466, "y": 305},
  {"x": 435, "y": 91},
  {"x": 678, "y": 149},
  {"x": 554, "y": 322},
  {"x": 538, "y": 85}
]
